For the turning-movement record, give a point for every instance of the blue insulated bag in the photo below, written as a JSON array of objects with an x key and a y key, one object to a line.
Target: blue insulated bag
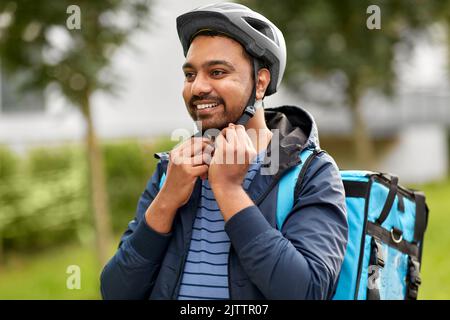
[{"x": 386, "y": 229}]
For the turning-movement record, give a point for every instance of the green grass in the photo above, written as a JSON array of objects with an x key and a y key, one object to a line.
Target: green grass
[
  {"x": 436, "y": 253},
  {"x": 42, "y": 275}
]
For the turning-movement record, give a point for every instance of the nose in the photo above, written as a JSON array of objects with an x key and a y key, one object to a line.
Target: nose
[{"x": 201, "y": 85}]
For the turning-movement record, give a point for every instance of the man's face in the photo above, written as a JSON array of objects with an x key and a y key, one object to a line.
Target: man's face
[{"x": 218, "y": 81}]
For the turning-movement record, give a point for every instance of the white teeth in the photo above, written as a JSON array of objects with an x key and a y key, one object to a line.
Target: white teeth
[{"x": 204, "y": 106}]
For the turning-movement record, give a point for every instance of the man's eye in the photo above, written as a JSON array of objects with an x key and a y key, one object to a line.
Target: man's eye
[
  {"x": 217, "y": 73},
  {"x": 189, "y": 76}
]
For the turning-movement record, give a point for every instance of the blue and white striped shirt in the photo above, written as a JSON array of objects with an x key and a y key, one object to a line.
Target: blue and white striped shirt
[{"x": 205, "y": 273}]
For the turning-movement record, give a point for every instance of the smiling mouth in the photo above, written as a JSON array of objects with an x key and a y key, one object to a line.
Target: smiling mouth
[{"x": 206, "y": 106}]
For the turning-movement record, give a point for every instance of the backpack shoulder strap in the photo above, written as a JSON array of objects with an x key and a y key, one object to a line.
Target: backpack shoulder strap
[
  {"x": 161, "y": 180},
  {"x": 162, "y": 156},
  {"x": 289, "y": 183}
]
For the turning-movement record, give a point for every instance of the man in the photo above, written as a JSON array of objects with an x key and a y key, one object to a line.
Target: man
[{"x": 206, "y": 228}]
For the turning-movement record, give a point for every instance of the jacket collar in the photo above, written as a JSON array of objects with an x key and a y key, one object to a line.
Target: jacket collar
[{"x": 296, "y": 131}]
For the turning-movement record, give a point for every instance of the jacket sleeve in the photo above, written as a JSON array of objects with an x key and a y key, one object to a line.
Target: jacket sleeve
[
  {"x": 302, "y": 261},
  {"x": 131, "y": 272}
]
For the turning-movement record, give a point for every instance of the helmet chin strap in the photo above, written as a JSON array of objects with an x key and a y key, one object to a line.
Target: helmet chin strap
[{"x": 252, "y": 104}]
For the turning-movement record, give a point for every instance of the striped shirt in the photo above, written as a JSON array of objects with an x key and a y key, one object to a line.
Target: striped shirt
[{"x": 205, "y": 275}]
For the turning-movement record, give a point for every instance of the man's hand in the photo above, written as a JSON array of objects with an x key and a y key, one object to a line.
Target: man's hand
[
  {"x": 187, "y": 162},
  {"x": 229, "y": 165},
  {"x": 232, "y": 156}
]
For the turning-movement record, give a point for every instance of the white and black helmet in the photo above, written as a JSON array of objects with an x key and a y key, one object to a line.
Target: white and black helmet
[{"x": 260, "y": 37}]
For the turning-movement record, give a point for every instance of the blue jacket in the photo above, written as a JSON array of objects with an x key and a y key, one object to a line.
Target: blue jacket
[{"x": 301, "y": 261}]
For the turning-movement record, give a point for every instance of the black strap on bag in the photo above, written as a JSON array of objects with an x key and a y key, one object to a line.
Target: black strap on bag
[
  {"x": 421, "y": 216},
  {"x": 392, "y": 238},
  {"x": 375, "y": 264},
  {"x": 414, "y": 279},
  {"x": 376, "y": 256},
  {"x": 393, "y": 188}
]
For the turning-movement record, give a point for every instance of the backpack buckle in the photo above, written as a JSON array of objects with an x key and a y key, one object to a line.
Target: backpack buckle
[
  {"x": 377, "y": 253},
  {"x": 414, "y": 272},
  {"x": 414, "y": 278}
]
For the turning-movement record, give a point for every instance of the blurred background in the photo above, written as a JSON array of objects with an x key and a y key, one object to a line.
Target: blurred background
[{"x": 89, "y": 90}]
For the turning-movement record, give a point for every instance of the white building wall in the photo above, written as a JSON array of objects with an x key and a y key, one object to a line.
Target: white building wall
[{"x": 420, "y": 156}]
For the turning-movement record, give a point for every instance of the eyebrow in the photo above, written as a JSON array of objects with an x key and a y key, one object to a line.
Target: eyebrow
[{"x": 210, "y": 64}]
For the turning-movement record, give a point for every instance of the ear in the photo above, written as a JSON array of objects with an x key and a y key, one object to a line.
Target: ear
[{"x": 263, "y": 83}]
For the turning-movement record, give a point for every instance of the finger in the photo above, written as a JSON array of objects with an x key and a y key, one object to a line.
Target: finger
[
  {"x": 242, "y": 145},
  {"x": 193, "y": 146},
  {"x": 197, "y": 171},
  {"x": 220, "y": 142},
  {"x": 230, "y": 143},
  {"x": 232, "y": 146},
  {"x": 208, "y": 153},
  {"x": 209, "y": 148},
  {"x": 224, "y": 130},
  {"x": 248, "y": 139},
  {"x": 198, "y": 145},
  {"x": 230, "y": 134},
  {"x": 241, "y": 135},
  {"x": 196, "y": 160},
  {"x": 219, "y": 150}
]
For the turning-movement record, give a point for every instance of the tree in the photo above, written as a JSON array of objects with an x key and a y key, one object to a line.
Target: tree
[
  {"x": 70, "y": 44},
  {"x": 329, "y": 42}
]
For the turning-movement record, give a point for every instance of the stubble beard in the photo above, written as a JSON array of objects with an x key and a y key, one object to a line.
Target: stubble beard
[{"x": 216, "y": 121}]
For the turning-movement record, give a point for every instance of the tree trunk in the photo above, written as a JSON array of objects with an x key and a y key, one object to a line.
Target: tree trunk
[
  {"x": 99, "y": 197},
  {"x": 363, "y": 147}
]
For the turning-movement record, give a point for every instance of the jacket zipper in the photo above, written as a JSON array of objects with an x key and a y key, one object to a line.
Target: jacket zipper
[
  {"x": 229, "y": 275},
  {"x": 277, "y": 178},
  {"x": 180, "y": 272},
  {"x": 176, "y": 290}
]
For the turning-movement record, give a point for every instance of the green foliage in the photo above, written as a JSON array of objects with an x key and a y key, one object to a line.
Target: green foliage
[
  {"x": 7, "y": 164},
  {"x": 69, "y": 46},
  {"x": 45, "y": 160},
  {"x": 44, "y": 196},
  {"x": 44, "y": 201},
  {"x": 35, "y": 41},
  {"x": 129, "y": 166},
  {"x": 329, "y": 40},
  {"x": 127, "y": 170},
  {"x": 435, "y": 261},
  {"x": 10, "y": 195}
]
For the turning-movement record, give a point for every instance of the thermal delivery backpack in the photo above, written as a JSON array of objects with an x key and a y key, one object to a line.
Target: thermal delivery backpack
[{"x": 386, "y": 226}]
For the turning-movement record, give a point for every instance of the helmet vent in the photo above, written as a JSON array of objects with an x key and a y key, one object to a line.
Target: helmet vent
[{"x": 262, "y": 27}]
